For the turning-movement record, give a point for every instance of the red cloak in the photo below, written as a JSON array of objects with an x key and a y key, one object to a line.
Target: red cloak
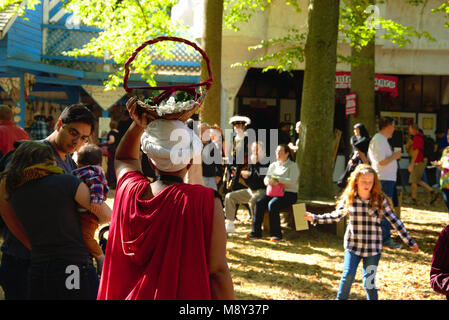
[{"x": 158, "y": 248}]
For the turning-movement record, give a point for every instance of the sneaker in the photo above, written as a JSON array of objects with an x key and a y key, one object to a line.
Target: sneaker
[
  {"x": 230, "y": 228},
  {"x": 433, "y": 196},
  {"x": 391, "y": 244},
  {"x": 275, "y": 239},
  {"x": 252, "y": 236}
]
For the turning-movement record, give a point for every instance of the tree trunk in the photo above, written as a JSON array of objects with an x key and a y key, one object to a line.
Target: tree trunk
[
  {"x": 212, "y": 38},
  {"x": 318, "y": 102},
  {"x": 362, "y": 83}
]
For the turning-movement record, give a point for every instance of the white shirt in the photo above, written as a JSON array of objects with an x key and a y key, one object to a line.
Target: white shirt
[{"x": 379, "y": 149}]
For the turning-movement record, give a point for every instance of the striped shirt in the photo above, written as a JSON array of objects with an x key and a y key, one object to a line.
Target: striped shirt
[
  {"x": 363, "y": 235},
  {"x": 94, "y": 177},
  {"x": 39, "y": 130}
]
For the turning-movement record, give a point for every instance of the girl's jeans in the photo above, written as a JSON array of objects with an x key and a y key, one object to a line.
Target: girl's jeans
[{"x": 349, "y": 271}]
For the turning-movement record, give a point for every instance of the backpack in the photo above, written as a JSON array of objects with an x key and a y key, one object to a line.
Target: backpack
[{"x": 429, "y": 151}]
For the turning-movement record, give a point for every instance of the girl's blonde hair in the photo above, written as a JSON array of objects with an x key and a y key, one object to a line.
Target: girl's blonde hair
[{"x": 377, "y": 197}]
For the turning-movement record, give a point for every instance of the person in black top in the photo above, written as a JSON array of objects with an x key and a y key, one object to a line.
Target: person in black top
[
  {"x": 111, "y": 143},
  {"x": 237, "y": 155},
  {"x": 123, "y": 125},
  {"x": 253, "y": 177},
  {"x": 284, "y": 133},
  {"x": 211, "y": 159},
  {"x": 73, "y": 129},
  {"x": 360, "y": 143},
  {"x": 38, "y": 204}
]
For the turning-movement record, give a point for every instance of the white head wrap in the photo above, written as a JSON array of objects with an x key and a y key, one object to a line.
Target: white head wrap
[{"x": 170, "y": 144}]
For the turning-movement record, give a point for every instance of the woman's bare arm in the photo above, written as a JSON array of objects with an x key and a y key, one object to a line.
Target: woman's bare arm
[
  {"x": 10, "y": 218},
  {"x": 220, "y": 276}
]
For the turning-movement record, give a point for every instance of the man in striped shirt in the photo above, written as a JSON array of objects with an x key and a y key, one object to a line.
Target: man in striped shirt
[{"x": 39, "y": 129}]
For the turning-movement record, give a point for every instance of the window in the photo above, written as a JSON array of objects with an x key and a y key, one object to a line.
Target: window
[
  {"x": 431, "y": 93},
  {"x": 413, "y": 88}
]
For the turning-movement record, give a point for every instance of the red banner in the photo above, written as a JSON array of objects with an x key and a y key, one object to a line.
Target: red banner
[
  {"x": 351, "y": 104},
  {"x": 381, "y": 82}
]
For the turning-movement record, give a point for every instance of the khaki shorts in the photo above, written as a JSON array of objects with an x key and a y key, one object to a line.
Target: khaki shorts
[{"x": 418, "y": 170}]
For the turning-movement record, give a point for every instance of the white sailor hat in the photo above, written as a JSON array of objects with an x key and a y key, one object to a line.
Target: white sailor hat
[{"x": 238, "y": 118}]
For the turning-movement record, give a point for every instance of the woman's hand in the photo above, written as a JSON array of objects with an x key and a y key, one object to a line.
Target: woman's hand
[
  {"x": 415, "y": 248},
  {"x": 142, "y": 119}
]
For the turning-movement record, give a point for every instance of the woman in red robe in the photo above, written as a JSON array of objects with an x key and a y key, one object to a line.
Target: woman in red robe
[{"x": 167, "y": 239}]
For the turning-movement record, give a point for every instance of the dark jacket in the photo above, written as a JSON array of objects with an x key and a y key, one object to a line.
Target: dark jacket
[
  {"x": 255, "y": 179},
  {"x": 212, "y": 160}
]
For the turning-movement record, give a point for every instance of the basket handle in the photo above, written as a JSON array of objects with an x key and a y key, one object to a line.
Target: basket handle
[{"x": 168, "y": 89}]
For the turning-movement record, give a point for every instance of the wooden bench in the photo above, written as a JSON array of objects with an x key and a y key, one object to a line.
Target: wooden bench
[{"x": 287, "y": 220}]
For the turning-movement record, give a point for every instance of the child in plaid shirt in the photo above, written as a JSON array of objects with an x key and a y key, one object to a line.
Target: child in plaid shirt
[
  {"x": 90, "y": 172},
  {"x": 366, "y": 205}
]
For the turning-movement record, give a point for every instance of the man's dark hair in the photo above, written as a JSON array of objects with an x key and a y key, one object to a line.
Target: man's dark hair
[
  {"x": 90, "y": 155},
  {"x": 385, "y": 122},
  {"x": 78, "y": 113}
]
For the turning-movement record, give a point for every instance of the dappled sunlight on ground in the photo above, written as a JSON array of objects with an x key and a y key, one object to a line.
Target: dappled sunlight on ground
[{"x": 307, "y": 265}]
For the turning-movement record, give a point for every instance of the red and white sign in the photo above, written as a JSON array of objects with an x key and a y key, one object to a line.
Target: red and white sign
[
  {"x": 351, "y": 104},
  {"x": 381, "y": 82}
]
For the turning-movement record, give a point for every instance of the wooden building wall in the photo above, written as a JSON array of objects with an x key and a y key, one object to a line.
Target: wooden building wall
[{"x": 24, "y": 39}]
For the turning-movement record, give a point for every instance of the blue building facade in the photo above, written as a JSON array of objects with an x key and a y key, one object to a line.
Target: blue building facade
[{"x": 37, "y": 79}]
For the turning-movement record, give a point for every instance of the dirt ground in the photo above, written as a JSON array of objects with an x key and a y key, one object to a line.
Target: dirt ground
[{"x": 307, "y": 265}]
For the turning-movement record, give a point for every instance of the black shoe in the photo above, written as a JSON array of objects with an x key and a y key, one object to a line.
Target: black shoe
[
  {"x": 414, "y": 202},
  {"x": 433, "y": 196},
  {"x": 252, "y": 236}
]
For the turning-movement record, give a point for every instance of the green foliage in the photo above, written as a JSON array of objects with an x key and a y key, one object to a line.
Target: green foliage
[
  {"x": 358, "y": 26},
  {"x": 242, "y": 10},
  {"x": 289, "y": 51},
  {"x": 443, "y": 8},
  {"x": 18, "y": 6},
  {"x": 126, "y": 24}
]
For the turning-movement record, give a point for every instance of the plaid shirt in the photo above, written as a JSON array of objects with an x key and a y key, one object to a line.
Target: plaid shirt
[
  {"x": 363, "y": 235},
  {"x": 39, "y": 130},
  {"x": 94, "y": 177}
]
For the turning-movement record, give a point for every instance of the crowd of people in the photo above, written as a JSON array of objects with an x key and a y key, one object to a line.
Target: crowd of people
[{"x": 172, "y": 216}]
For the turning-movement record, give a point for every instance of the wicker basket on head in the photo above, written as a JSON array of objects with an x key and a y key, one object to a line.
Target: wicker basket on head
[{"x": 195, "y": 90}]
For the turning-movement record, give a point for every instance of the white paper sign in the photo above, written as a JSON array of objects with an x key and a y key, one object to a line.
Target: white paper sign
[{"x": 103, "y": 127}]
